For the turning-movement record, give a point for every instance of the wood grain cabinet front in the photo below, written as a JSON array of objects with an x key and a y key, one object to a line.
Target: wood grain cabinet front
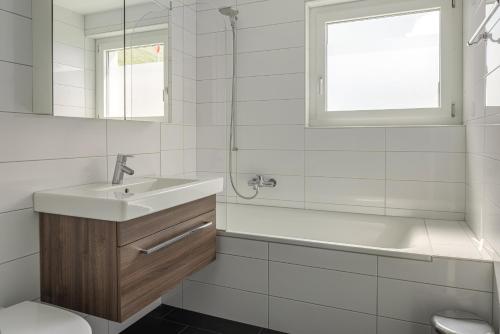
[{"x": 114, "y": 269}]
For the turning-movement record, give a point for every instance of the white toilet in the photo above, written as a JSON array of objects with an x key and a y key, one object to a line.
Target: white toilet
[{"x": 36, "y": 318}]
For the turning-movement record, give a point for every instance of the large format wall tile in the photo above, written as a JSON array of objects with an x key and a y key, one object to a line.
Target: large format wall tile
[
  {"x": 19, "y": 280},
  {"x": 16, "y": 88},
  {"x": 21, "y": 179},
  {"x": 31, "y": 137},
  {"x": 15, "y": 36},
  {"x": 18, "y": 234}
]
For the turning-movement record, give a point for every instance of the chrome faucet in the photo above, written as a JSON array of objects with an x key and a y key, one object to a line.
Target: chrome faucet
[
  {"x": 121, "y": 168},
  {"x": 260, "y": 181}
]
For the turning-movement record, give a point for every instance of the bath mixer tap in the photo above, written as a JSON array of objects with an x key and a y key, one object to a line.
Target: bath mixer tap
[
  {"x": 121, "y": 168},
  {"x": 260, "y": 181}
]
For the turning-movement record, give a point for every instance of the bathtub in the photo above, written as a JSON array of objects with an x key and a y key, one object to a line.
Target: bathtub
[{"x": 362, "y": 233}]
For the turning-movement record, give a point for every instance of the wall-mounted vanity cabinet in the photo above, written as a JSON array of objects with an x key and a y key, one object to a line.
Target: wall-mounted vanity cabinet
[{"x": 113, "y": 269}]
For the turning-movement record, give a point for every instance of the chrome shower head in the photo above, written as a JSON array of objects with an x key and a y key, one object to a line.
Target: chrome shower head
[
  {"x": 231, "y": 13},
  {"x": 228, "y": 11}
]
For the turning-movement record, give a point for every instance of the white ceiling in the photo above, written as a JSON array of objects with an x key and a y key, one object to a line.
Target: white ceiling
[{"x": 85, "y": 7}]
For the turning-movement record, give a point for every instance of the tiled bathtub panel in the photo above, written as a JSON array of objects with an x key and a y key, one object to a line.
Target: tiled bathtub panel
[
  {"x": 232, "y": 304},
  {"x": 417, "y": 302},
  {"x": 242, "y": 247},
  {"x": 322, "y": 258},
  {"x": 235, "y": 272},
  {"x": 325, "y": 287},
  {"x": 295, "y": 317},
  {"x": 448, "y": 272}
]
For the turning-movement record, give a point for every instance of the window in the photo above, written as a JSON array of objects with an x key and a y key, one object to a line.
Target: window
[
  {"x": 142, "y": 66},
  {"x": 384, "y": 62}
]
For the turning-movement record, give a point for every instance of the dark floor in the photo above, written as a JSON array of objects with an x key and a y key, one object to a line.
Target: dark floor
[{"x": 171, "y": 320}]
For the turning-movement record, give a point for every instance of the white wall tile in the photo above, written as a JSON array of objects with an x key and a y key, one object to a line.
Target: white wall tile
[
  {"x": 324, "y": 287},
  {"x": 212, "y": 137},
  {"x": 172, "y": 137},
  {"x": 133, "y": 137},
  {"x": 428, "y": 139},
  {"x": 211, "y": 113},
  {"x": 19, "y": 280},
  {"x": 246, "y": 307},
  {"x": 346, "y": 139},
  {"x": 271, "y": 137},
  {"x": 273, "y": 112},
  {"x": 211, "y": 160},
  {"x": 262, "y": 13},
  {"x": 279, "y": 36},
  {"x": 18, "y": 234},
  {"x": 21, "y": 7},
  {"x": 345, "y": 191},
  {"x": 271, "y": 162},
  {"x": 27, "y": 137},
  {"x": 21, "y": 179},
  {"x": 172, "y": 163},
  {"x": 426, "y": 300},
  {"x": 189, "y": 141},
  {"x": 290, "y": 316},
  {"x": 274, "y": 62},
  {"x": 365, "y": 165},
  {"x": 426, "y": 166},
  {"x": 433, "y": 196},
  {"x": 272, "y": 87},
  {"x": 210, "y": 21},
  {"x": 236, "y": 272},
  {"x": 15, "y": 36}
]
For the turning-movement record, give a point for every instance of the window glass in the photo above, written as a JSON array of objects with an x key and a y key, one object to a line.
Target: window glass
[
  {"x": 144, "y": 70},
  {"x": 380, "y": 63},
  {"x": 145, "y": 79}
]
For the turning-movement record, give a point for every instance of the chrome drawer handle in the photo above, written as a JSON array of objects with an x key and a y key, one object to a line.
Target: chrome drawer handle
[{"x": 174, "y": 240}]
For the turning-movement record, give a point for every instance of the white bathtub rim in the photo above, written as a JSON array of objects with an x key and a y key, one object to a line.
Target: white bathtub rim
[{"x": 408, "y": 253}]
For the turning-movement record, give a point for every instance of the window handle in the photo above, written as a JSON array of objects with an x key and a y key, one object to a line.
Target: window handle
[{"x": 321, "y": 86}]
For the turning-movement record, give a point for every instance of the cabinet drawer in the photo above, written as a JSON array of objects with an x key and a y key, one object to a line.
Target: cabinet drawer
[
  {"x": 135, "y": 229},
  {"x": 189, "y": 246}
]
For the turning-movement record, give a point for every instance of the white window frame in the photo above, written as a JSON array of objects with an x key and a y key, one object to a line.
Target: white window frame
[
  {"x": 319, "y": 13},
  {"x": 114, "y": 43}
]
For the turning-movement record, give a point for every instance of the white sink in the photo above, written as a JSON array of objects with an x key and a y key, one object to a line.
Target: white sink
[{"x": 135, "y": 198}]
